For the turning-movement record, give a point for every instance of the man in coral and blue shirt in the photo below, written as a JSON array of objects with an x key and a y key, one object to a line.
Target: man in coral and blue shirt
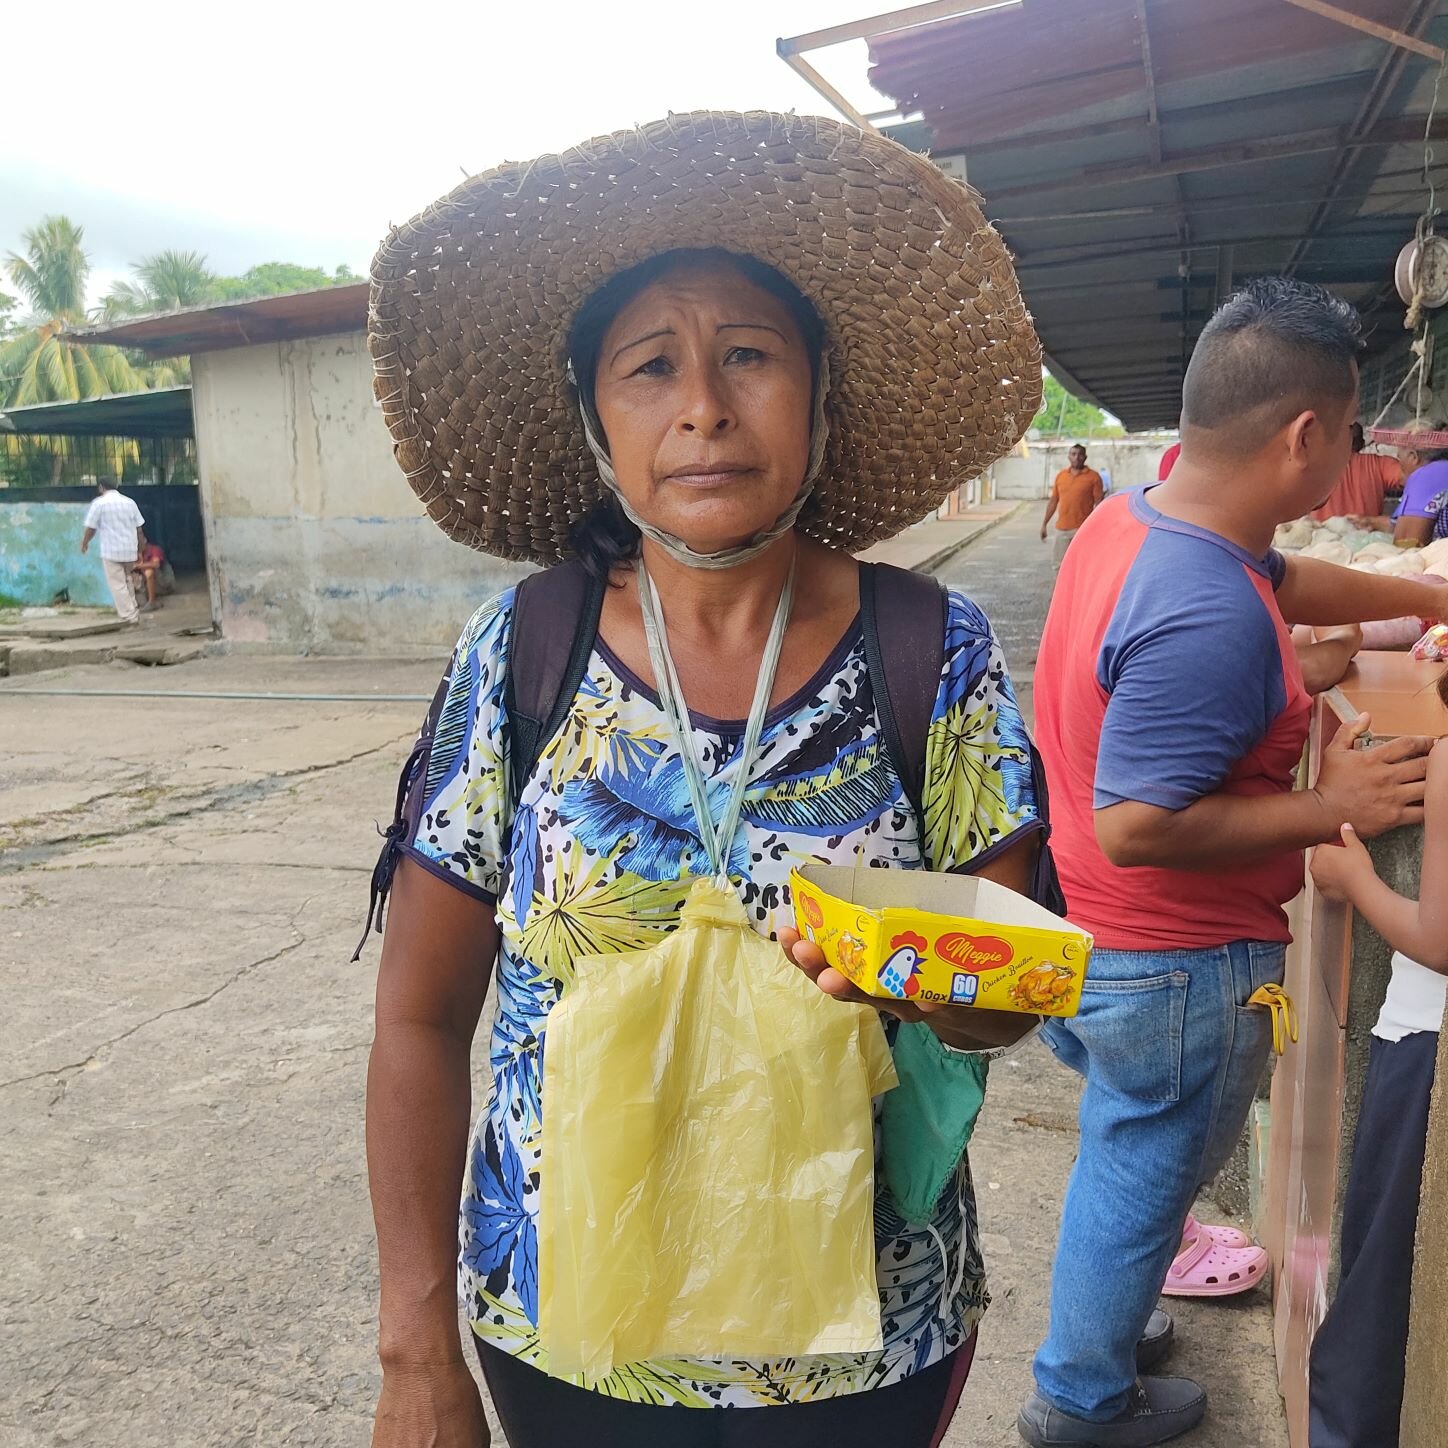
[{"x": 1172, "y": 714}]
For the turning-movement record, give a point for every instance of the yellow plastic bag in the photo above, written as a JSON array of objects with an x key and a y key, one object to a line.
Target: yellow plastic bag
[{"x": 709, "y": 1179}]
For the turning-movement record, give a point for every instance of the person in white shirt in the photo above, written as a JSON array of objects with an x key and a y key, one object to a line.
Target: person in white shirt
[
  {"x": 116, "y": 521},
  {"x": 1356, "y": 1385}
]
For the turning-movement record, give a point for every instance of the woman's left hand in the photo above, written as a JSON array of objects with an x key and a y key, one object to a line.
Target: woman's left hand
[{"x": 968, "y": 1028}]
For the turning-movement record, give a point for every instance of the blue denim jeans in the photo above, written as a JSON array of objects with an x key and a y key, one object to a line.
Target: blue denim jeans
[{"x": 1172, "y": 1055}]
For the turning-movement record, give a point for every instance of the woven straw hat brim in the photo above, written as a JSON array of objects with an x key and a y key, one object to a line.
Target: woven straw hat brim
[{"x": 935, "y": 363}]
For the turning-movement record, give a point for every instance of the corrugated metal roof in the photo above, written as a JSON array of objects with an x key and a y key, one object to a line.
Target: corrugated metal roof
[
  {"x": 160, "y": 412},
  {"x": 1128, "y": 148},
  {"x": 238, "y": 324}
]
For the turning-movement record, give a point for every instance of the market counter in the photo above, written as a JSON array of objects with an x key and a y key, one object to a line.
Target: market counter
[{"x": 1337, "y": 975}]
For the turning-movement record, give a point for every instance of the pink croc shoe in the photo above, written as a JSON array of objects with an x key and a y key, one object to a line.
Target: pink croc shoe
[
  {"x": 1223, "y": 1235},
  {"x": 1208, "y": 1268}
]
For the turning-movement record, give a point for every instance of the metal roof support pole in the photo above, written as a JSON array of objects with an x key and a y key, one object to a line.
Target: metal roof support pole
[
  {"x": 1225, "y": 256},
  {"x": 1184, "y": 234},
  {"x": 814, "y": 79},
  {"x": 1419, "y": 14},
  {"x": 1403, "y": 39},
  {"x": 791, "y": 49}
]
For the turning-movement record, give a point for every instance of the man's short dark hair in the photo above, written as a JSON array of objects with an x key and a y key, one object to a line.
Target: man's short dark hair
[
  {"x": 105, "y": 484},
  {"x": 1276, "y": 349}
]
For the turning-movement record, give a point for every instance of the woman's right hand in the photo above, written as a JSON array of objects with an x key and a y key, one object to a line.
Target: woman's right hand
[{"x": 437, "y": 1406}]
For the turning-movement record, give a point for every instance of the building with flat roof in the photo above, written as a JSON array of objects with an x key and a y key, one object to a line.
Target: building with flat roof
[{"x": 313, "y": 539}]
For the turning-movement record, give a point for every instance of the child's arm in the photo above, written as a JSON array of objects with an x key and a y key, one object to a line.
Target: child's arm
[{"x": 1418, "y": 928}]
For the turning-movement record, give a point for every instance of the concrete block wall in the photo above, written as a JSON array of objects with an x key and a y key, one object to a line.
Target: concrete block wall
[
  {"x": 40, "y": 555},
  {"x": 314, "y": 540}
]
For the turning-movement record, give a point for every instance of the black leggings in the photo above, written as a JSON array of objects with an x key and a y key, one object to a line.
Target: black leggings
[
  {"x": 1358, "y": 1357},
  {"x": 537, "y": 1411}
]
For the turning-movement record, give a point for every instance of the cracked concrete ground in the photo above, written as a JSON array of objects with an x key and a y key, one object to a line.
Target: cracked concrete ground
[{"x": 184, "y": 1205}]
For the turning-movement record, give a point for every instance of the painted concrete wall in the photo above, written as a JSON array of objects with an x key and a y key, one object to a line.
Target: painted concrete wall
[
  {"x": 1131, "y": 462},
  {"x": 314, "y": 539},
  {"x": 172, "y": 512},
  {"x": 40, "y": 555}
]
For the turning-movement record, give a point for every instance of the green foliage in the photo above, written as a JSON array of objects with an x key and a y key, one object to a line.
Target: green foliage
[
  {"x": 1062, "y": 414},
  {"x": 164, "y": 282},
  {"x": 38, "y": 364},
  {"x": 272, "y": 278}
]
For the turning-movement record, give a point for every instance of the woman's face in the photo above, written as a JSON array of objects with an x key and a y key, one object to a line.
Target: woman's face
[{"x": 704, "y": 391}]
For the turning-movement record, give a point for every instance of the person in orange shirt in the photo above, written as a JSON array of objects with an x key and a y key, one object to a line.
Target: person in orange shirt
[
  {"x": 1076, "y": 491},
  {"x": 1359, "y": 493}
]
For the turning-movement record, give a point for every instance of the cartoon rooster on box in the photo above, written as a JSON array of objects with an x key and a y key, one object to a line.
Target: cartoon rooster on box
[{"x": 900, "y": 974}]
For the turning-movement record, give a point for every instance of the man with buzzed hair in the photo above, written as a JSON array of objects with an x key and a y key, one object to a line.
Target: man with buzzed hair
[{"x": 1171, "y": 711}]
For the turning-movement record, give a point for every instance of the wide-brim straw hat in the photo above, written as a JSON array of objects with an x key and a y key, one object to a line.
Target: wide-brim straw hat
[{"x": 935, "y": 365}]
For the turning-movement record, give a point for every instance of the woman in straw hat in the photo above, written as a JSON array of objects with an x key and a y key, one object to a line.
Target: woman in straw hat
[{"x": 709, "y": 359}]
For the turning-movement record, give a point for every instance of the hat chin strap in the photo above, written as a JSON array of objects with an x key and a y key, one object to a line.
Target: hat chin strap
[{"x": 674, "y": 546}]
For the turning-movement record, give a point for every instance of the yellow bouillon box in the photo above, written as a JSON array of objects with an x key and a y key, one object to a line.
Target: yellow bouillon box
[{"x": 918, "y": 935}]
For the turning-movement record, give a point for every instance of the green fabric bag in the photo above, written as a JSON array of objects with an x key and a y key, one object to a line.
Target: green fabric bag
[{"x": 927, "y": 1120}]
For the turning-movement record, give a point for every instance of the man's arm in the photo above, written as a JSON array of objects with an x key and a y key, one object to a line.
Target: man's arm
[
  {"x": 85, "y": 539},
  {"x": 1323, "y": 594},
  {"x": 1374, "y": 790},
  {"x": 1050, "y": 508},
  {"x": 140, "y": 544},
  {"x": 1098, "y": 493}
]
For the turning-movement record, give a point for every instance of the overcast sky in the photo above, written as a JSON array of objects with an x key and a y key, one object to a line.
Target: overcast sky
[{"x": 299, "y": 131}]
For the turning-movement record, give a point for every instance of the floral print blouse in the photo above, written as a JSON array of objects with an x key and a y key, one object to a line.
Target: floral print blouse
[{"x": 596, "y": 860}]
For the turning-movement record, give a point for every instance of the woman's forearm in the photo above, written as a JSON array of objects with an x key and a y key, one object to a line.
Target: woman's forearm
[{"x": 418, "y": 1117}]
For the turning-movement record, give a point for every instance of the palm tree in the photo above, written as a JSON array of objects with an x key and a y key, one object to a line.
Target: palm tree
[
  {"x": 165, "y": 282},
  {"x": 40, "y": 365}
]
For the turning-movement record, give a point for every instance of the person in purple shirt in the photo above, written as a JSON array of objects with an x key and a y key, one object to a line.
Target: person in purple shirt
[{"x": 1422, "y": 515}]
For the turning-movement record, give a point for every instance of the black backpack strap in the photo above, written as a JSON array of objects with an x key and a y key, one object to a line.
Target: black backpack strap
[
  {"x": 902, "y": 616},
  {"x": 406, "y": 813},
  {"x": 555, "y": 623}
]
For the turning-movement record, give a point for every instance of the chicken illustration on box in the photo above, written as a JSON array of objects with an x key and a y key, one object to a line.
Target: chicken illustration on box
[
  {"x": 900, "y": 974},
  {"x": 924, "y": 937}
]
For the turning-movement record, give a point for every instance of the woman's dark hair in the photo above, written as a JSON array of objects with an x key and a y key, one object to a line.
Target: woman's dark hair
[{"x": 604, "y": 538}]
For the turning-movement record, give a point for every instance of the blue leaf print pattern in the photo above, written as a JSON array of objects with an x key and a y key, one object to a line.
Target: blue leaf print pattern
[
  {"x": 849, "y": 793},
  {"x": 502, "y": 1236},
  {"x": 652, "y": 808},
  {"x": 524, "y": 863}
]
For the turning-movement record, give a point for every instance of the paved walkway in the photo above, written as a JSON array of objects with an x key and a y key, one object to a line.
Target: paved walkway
[{"x": 931, "y": 544}]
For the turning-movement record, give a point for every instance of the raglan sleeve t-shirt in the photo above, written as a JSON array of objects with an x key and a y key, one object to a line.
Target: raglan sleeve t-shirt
[{"x": 1166, "y": 673}]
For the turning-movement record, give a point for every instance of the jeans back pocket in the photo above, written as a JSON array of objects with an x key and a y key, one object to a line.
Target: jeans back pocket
[{"x": 1132, "y": 1033}]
